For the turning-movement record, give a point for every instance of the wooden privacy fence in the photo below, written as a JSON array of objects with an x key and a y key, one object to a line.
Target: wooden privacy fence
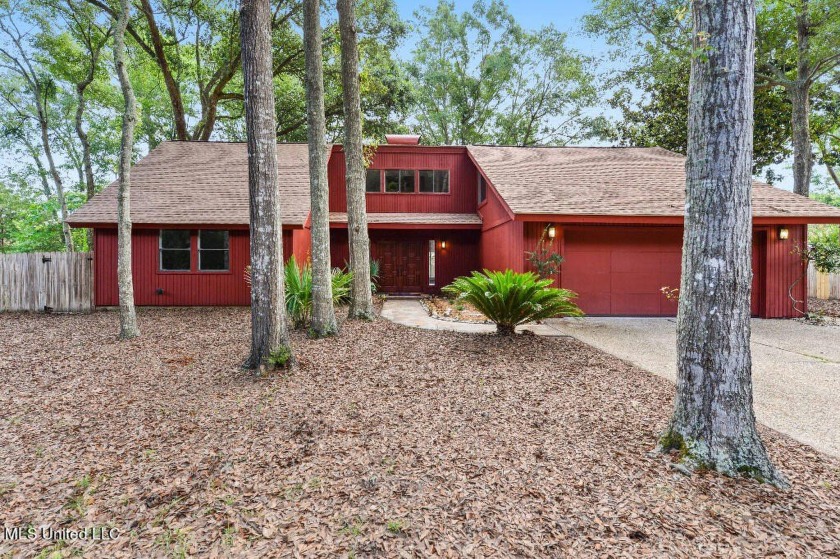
[
  {"x": 823, "y": 286},
  {"x": 46, "y": 281}
]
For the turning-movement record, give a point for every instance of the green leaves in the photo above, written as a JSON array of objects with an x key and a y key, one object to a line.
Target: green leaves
[
  {"x": 299, "y": 290},
  {"x": 509, "y": 298},
  {"x": 481, "y": 78}
]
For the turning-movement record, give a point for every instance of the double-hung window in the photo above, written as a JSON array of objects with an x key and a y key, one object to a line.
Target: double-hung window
[
  {"x": 213, "y": 250},
  {"x": 175, "y": 250}
]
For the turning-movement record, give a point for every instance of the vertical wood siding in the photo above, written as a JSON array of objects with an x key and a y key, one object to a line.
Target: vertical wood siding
[
  {"x": 462, "y": 181},
  {"x": 179, "y": 288},
  {"x": 782, "y": 269},
  {"x": 46, "y": 281}
]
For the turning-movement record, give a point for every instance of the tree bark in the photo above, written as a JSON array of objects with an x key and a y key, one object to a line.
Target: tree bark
[
  {"x": 128, "y": 317},
  {"x": 269, "y": 334},
  {"x": 87, "y": 165},
  {"x": 323, "y": 312},
  {"x": 172, "y": 88},
  {"x": 43, "y": 123},
  {"x": 361, "y": 300},
  {"x": 713, "y": 425},
  {"x": 800, "y": 98}
]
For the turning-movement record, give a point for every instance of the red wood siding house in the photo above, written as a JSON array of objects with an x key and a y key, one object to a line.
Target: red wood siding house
[{"x": 435, "y": 213}]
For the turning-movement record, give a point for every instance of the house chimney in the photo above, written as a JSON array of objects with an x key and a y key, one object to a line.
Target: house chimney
[{"x": 402, "y": 139}]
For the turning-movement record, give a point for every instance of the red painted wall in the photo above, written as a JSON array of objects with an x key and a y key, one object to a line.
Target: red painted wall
[
  {"x": 462, "y": 197},
  {"x": 501, "y": 246},
  {"x": 179, "y": 288},
  {"x": 783, "y": 267}
]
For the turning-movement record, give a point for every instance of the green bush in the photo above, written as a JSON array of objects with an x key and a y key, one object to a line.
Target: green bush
[
  {"x": 299, "y": 290},
  {"x": 510, "y": 299}
]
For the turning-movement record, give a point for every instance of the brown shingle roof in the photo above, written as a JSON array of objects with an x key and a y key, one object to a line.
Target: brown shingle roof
[
  {"x": 414, "y": 218},
  {"x": 613, "y": 182},
  {"x": 201, "y": 183}
]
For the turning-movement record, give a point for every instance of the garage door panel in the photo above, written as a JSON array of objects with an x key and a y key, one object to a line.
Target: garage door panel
[
  {"x": 635, "y": 283},
  {"x": 594, "y": 303},
  {"x": 643, "y": 304},
  {"x": 581, "y": 259}
]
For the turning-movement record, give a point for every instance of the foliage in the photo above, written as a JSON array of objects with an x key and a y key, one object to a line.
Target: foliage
[
  {"x": 374, "y": 274},
  {"x": 509, "y": 298},
  {"x": 299, "y": 290},
  {"x": 545, "y": 261},
  {"x": 823, "y": 250},
  {"x": 280, "y": 357},
  {"x": 650, "y": 90},
  {"x": 482, "y": 78}
]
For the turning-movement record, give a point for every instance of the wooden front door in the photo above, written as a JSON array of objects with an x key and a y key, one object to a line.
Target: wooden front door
[{"x": 401, "y": 265}]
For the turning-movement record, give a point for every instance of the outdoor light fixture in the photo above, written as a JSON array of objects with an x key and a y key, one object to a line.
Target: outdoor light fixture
[
  {"x": 443, "y": 245},
  {"x": 552, "y": 231},
  {"x": 783, "y": 233}
]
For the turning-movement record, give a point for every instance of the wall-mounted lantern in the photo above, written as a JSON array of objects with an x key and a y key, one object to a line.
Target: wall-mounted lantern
[
  {"x": 443, "y": 245},
  {"x": 552, "y": 231},
  {"x": 783, "y": 233}
]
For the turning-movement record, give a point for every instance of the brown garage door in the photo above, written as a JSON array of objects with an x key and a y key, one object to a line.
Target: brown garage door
[{"x": 621, "y": 270}]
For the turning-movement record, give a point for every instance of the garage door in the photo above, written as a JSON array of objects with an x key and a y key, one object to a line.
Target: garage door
[{"x": 622, "y": 270}]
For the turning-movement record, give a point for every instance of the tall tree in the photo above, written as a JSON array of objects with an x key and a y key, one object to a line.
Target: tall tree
[
  {"x": 270, "y": 344},
  {"x": 323, "y": 312},
  {"x": 18, "y": 59},
  {"x": 128, "y": 317},
  {"x": 713, "y": 424},
  {"x": 361, "y": 299},
  {"x": 484, "y": 79},
  {"x": 661, "y": 118},
  {"x": 799, "y": 45}
]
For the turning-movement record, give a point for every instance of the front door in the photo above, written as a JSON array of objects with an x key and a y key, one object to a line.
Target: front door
[{"x": 400, "y": 265}]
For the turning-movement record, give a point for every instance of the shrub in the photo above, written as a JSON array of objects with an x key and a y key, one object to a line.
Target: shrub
[
  {"x": 299, "y": 290},
  {"x": 510, "y": 299}
]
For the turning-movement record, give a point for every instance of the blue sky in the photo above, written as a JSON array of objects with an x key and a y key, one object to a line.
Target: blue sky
[{"x": 531, "y": 14}]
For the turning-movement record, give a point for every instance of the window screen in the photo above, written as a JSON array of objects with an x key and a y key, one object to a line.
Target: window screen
[
  {"x": 213, "y": 250},
  {"x": 174, "y": 249}
]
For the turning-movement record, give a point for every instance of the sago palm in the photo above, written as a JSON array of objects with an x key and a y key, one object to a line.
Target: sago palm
[{"x": 510, "y": 299}]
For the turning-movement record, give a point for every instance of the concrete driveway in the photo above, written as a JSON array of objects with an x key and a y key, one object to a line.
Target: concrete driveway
[{"x": 796, "y": 368}]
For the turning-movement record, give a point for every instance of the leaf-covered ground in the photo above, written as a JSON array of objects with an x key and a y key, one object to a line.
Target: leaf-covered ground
[
  {"x": 386, "y": 442},
  {"x": 829, "y": 308}
]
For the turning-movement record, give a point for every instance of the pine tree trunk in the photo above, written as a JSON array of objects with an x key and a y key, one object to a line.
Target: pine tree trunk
[
  {"x": 361, "y": 300},
  {"x": 323, "y": 312},
  {"x": 800, "y": 98},
  {"x": 128, "y": 318},
  {"x": 713, "y": 425},
  {"x": 269, "y": 333}
]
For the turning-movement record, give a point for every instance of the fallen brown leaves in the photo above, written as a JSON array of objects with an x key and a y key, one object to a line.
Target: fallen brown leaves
[{"x": 387, "y": 441}]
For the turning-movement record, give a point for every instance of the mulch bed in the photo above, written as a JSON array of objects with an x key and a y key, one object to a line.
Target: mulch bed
[
  {"x": 829, "y": 308},
  {"x": 447, "y": 309},
  {"x": 387, "y": 441}
]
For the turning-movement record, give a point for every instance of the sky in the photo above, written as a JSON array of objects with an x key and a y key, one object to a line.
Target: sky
[
  {"x": 566, "y": 16},
  {"x": 531, "y": 14}
]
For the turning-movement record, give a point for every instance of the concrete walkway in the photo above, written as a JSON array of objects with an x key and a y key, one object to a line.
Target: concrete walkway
[{"x": 796, "y": 366}]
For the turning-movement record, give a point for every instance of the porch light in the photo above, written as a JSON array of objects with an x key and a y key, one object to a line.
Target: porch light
[
  {"x": 552, "y": 232},
  {"x": 783, "y": 233},
  {"x": 443, "y": 245}
]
